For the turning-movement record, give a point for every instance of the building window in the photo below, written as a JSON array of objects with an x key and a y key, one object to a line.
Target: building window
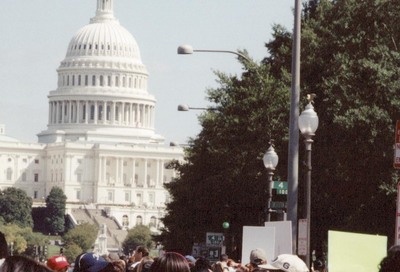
[
  {"x": 93, "y": 80},
  {"x": 9, "y": 173},
  {"x": 110, "y": 196},
  {"x": 139, "y": 220},
  {"x": 100, "y": 117},
  {"x": 139, "y": 199},
  {"x": 79, "y": 177},
  {"x": 128, "y": 196},
  {"x": 23, "y": 177},
  {"x": 125, "y": 178},
  {"x": 92, "y": 112},
  {"x": 86, "y": 80},
  {"x": 125, "y": 221},
  {"x": 36, "y": 177},
  {"x": 36, "y": 161},
  {"x": 101, "y": 81},
  {"x": 153, "y": 221},
  {"x": 35, "y": 194},
  {"x": 78, "y": 194},
  {"x": 151, "y": 198}
]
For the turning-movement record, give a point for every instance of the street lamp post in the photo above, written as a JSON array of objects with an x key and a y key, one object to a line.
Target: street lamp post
[
  {"x": 308, "y": 124},
  {"x": 270, "y": 160},
  {"x": 293, "y": 150},
  {"x": 188, "y": 49},
  {"x": 184, "y": 107}
]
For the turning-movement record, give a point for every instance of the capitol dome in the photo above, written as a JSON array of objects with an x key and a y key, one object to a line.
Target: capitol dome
[
  {"x": 101, "y": 93},
  {"x": 104, "y": 36}
]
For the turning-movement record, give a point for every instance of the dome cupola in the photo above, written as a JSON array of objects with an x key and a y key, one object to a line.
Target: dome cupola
[{"x": 102, "y": 87}]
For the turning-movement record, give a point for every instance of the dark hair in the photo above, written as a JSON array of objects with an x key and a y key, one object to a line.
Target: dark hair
[
  {"x": 391, "y": 263},
  {"x": 224, "y": 258},
  {"x": 202, "y": 264},
  {"x": 170, "y": 262},
  {"x": 22, "y": 264},
  {"x": 143, "y": 250},
  {"x": 3, "y": 246}
]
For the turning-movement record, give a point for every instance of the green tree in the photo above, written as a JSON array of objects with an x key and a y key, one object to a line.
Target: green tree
[
  {"x": 223, "y": 177},
  {"x": 71, "y": 251},
  {"x": 55, "y": 210},
  {"x": 23, "y": 239},
  {"x": 16, "y": 207},
  {"x": 139, "y": 235},
  {"x": 83, "y": 235},
  {"x": 350, "y": 59}
]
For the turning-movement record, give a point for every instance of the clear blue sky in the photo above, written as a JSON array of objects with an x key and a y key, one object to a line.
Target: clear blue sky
[{"x": 35, "y": 35}]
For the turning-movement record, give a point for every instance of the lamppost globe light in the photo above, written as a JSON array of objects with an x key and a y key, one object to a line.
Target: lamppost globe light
[
  {"x": 308, "y": 121},
  {"x": 270, "y": 158}
]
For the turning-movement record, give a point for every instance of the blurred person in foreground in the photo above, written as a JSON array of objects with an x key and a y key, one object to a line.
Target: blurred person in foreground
[
  {"x": 391, "y": 263},
  {"x": 286, "y": 263},
  {"x": 58, "y": 263},
  {"x": 170, "y": 262}
]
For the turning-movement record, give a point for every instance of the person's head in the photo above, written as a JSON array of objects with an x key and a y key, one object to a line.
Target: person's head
[
  {"x": 191, "y": 260},
  {"x": 140, "y": 252},
  {"x": 58, "y": 263},
  {"x": 90, "y": 262},
  {"x": 286, "y": 263},
  {"x": 392, "y": 261},
  {"x": 202, "y": 265},
  {"x": 22, "y": 264},
  {"x": 170, "y": 262},
  {"x": 145, "y": 264},
  {"x": 257, "y": 257},
  {"x": 224, "y": 258}
]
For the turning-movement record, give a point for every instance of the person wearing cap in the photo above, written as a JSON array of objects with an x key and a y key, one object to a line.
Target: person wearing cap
[
  {"x": 257, "y": 258},
  {"x": 90, "y": 262},
  {"x": 286, "y": 263},
  {"x": 58, "y": 263}
]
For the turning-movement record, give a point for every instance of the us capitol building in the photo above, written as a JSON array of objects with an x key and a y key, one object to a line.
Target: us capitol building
[{"x": 100, "y": 144}]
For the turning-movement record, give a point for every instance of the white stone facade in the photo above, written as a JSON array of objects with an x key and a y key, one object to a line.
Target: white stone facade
[{"x": 100, "y": 144}]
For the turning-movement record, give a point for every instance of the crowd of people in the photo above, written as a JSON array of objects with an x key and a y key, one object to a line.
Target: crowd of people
[{"x": 141, "y": 261}]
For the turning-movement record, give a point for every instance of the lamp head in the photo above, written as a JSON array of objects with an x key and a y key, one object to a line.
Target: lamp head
[
  {"x": 183, "y": 107},
  {"x": 185, "y": 49},
  {"x": 270, "y": 158},
  {"x": 308, "y": 119}
]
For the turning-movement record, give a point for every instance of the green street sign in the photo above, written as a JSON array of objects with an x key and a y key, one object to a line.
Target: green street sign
[
  {"x": 278, "y": 205},
  {"x": 281, "y": 187}
]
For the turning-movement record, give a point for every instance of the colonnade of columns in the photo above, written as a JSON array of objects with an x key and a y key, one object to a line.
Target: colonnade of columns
[
  {"x": 147, "y": 173},
  {"x": 101, "y": 112}
]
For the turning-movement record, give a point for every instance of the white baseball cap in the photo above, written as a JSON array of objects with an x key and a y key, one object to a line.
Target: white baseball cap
[{"x": 287, "y": 263}]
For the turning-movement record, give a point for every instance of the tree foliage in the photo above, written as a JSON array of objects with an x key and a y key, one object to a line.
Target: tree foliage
[
  {"x": 223, "y": 177},
  {"x": 16, "y": 207},
  {"x": 83, "y": 235},
  {"x": 23, "y": 239},
  {"x": 352, "y": 62},
  {"x": 139, "y": 235},
  {"x": 350, "y": 59},
  {"x": 55, "y": 210}
]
